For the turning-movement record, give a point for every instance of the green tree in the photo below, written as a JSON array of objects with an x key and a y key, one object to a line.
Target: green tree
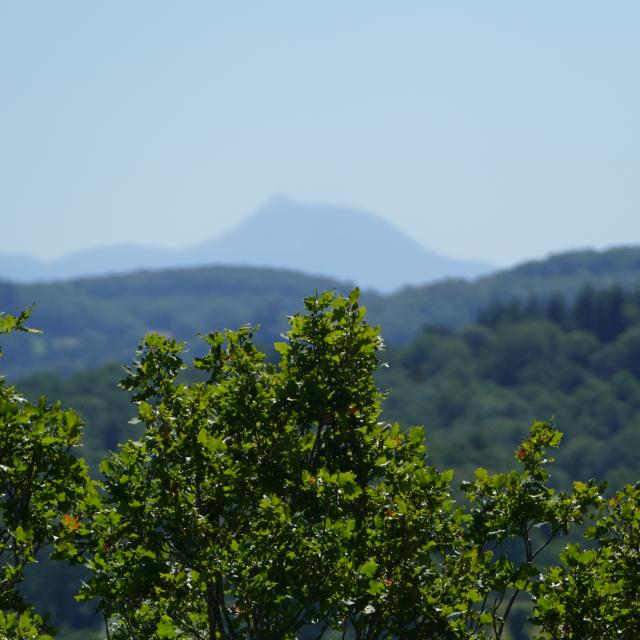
[
  {"x": 269, "y": 500},
  {"x": 43, "y": 484},
  {"x": 595, "y": 590},
  {"x": 515, "y": 516}
]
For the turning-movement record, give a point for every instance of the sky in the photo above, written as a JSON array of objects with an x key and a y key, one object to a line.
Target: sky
[{"x": 493, "y": 130}]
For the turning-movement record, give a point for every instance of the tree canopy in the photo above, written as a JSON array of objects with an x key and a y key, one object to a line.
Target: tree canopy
[
  {"x": 270, "y": 500},
  {"x": 43, "y": 485}
]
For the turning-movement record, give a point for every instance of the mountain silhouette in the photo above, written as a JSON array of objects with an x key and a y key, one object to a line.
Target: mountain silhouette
[{"x": 340, "y": 242}]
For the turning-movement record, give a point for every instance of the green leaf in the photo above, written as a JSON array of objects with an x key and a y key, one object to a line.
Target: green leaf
[
  {"x": 368, "y": 568},
  {"x": 166, "y": 630},
  {"x": 216, "y": 445},
  {"x": 20, "y": 534}
]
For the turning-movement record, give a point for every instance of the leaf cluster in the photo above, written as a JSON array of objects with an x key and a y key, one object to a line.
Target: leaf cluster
[{"x": 44, "y": 490}]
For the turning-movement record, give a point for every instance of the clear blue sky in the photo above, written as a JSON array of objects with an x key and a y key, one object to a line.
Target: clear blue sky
[{"x": 493, "y": 130}]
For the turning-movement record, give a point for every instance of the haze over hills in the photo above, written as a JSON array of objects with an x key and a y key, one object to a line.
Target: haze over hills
[
  {"x": 89, "y": 321},
  {"x": 339, "y": 242}
]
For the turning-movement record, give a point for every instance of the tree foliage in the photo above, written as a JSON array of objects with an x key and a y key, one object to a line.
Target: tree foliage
[
  {"x": 269, "y": 500},
  {"x": 43, "y": 484},
  {"x": 594, "y": 592}
]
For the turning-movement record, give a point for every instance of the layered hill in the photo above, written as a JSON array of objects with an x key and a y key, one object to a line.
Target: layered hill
[
  {"x": 90, "y": 321},
  {"x": 338, "y": 242}
]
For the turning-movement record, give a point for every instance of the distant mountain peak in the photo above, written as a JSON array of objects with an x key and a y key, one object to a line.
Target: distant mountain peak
[{"x": 337, "y": 241}]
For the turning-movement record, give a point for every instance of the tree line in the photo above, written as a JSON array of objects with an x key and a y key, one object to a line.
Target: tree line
[{"x": 90, "y": 322}]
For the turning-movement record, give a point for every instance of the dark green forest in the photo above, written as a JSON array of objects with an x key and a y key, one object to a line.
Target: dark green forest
[{"x": 576, "y": 364}]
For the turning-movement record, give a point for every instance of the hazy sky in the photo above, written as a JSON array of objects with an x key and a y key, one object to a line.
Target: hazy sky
[{"x": 492, "y": 130}]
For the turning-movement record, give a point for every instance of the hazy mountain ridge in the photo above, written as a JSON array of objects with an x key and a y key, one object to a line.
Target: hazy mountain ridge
[
  {"x": 90, "y": 321},
  {"x": 339, "y": 242}
]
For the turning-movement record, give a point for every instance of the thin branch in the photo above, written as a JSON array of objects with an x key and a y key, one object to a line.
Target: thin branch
[
  {"x": 106, "y": 626},
  {"x": 507, "y": 611},
  {"x": 546, "y": 544}
]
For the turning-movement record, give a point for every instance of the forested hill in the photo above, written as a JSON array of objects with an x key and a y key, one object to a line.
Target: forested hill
[
  {"x": 454, "y": 303},
  {"x": 88, "y": 322},
  {"x": 476, "y": 388}
]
